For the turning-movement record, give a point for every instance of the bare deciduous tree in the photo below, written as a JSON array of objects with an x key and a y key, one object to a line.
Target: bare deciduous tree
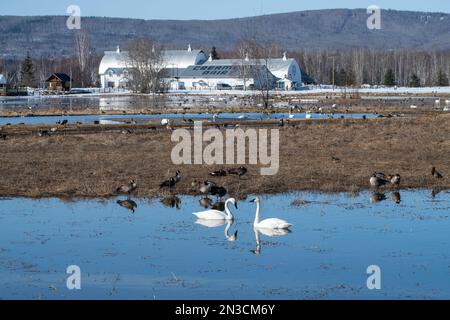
[{"x": 146, "y": 66}]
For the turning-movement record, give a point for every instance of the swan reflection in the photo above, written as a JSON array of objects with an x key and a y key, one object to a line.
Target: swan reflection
[
  {"x": 220, "y": 223},
  {"x": 268, "y": 233}
]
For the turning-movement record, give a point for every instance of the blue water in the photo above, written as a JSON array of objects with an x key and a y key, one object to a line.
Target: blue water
[{"x": 161, "y": 253}]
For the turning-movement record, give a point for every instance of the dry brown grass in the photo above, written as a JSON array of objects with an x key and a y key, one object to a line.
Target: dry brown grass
[{"x": 92, "y": 161}]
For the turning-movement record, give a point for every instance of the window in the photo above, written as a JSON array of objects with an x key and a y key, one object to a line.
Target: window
[
  {"x": 206, "y": 72},
  {"x": 219, "y": 68},
  {"x": 204, "y": 68}
]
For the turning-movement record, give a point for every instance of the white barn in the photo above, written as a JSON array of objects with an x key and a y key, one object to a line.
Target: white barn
[
  {"x": 113, "y": 67},
  {"x": 192, "y": 70}
]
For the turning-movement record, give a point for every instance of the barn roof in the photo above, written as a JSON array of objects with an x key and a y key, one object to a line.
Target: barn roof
[
  {"x": 180, "y": 59},
  {"x": 61, "y": 76}
]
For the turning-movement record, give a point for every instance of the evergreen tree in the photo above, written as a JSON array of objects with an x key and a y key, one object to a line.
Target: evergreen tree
[
  {"x": 442, "y": 80},
  {"x": 27, "y": 72},
  {"x": 214, "y": 54},
  {"x": 389, "y": 78},
  {"x": 414, "y": 81}
]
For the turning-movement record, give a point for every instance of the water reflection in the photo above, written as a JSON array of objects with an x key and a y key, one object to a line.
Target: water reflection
[
  {"x": 171, "y": 202},
  {"x": 220, "y": 223},
  {"x": 396, "y": 197},
  {"x": 128, "y": 204},
  {"x": 268, "y": 233},
  {"x": 377, "y": 197}
]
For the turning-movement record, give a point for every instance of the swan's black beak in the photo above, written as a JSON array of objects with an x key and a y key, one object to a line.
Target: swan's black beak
[
  {"x": 236, "y": 206},
  {"x": 236, "y": 234}
]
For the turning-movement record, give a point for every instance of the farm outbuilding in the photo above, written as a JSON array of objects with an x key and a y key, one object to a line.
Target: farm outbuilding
[{"x": 59, "y": 82}]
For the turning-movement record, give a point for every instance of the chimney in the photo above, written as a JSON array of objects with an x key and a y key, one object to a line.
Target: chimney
[
  {"x": 285, "y": 56},
  {"x": 189, "y": 48},
  {"x": 118, "y": 49}
]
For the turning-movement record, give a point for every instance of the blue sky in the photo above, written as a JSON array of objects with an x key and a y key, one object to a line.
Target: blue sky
[{"x": 212, "y": 9}]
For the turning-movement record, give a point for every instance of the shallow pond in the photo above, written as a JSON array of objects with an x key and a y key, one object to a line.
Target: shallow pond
[
  {"x": 160, "y": 252},
  {"x": 138, "y": 118}
]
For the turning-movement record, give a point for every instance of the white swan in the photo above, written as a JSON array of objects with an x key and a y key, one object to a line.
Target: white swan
[
  {"x": 218, "y": 215},
  {"x": 219, "y": 223},
  {"x": 268, "y": 224}
]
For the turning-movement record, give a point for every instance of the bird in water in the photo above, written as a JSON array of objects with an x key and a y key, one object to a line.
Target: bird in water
[
  {"x": 129, "y": 188},
  {"x": 436, "y": 174},
  {"x": 128, "y": 204}
]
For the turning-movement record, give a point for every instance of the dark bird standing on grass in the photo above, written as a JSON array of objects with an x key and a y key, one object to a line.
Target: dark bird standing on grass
[
  {"x": 2, "y": 136},
  {"x": 218, "y": 173},
  {"x": 128, "y": 204},
  {"x": 168, "y": 184},
  {"x": 395, "y": 180},
  {"x": 242, "y": 171},
  {"x": 377, "y": 180},
  {"x": 436, "y": 174},
  {"x": 132, "y": 186}
]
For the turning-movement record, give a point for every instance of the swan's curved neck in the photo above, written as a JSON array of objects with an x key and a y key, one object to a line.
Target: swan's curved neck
[
  {"x": 258, "y": 211},
  {"x": 227, "y": 210}
]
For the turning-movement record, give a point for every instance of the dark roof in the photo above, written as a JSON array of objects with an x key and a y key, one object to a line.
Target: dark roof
[
  {"x": 61, "y": 76},
  {"x": 216, "y": 71}
]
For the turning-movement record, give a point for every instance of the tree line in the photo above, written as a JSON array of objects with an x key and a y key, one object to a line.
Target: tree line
[
  {"x": 359, "y": 66},
  {"x": 349, "y": 67}
]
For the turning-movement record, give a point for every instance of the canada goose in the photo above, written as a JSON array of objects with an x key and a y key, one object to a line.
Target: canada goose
[
  {"x": 378, "y": 197},
  {"x": 377, "y": 181},
  {"x": 128, "y": 204},
  {"x": 218, "y": 191},
  {"x": 64, "y": 122},
  {"x": 436, "y": 174},
  {"x": 268, "y": 224},
  {"x": 396, "y": 197},
  {"x": 395, "y": 180},
  {"x": 132, "y": 186},
  {"x": 168, "y": 184},
  {"x": 336, "y": 160},
  {"x": 242, "y": 171},
  {"x": 218, "y": 173},
  {"x": 177, "y": 176}
]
